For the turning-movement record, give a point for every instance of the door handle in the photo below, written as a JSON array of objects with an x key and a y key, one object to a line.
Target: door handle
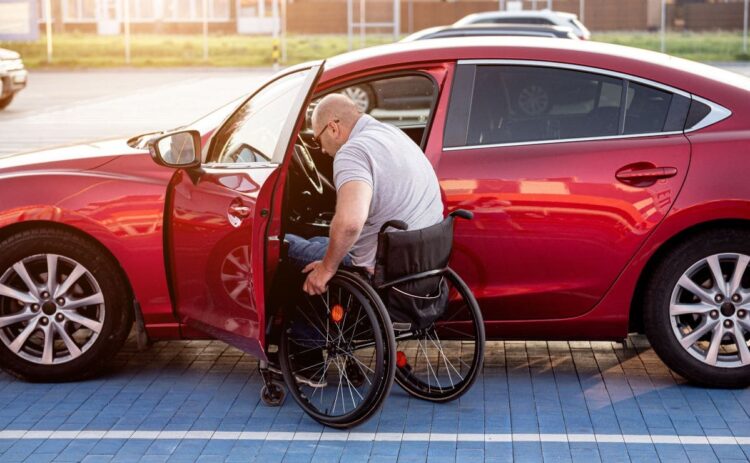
[
  {"x": 239, "y": 211},
  {"x": 647, "y": 174},
  {"x": 642, "y": 177}
]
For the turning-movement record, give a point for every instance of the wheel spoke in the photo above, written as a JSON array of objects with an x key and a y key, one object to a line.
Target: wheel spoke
[
  {"x": 739, "y": 272},
  {"x": 691, "y": 286},
  {"x": 77, "y": 272},
  {"x": 73, "y": 348},
  {"x": 713, "y": 348},
  {"x": 49, "y": 344},
  {"x": 698, "y": 333},
  {"x": 18, "y": 343},
  {"x": 16, "y": 318},
  {"x": 94, "y": 299},
  {"x": 20, "y": 269},
  {"x": 701, "y": 308},
  {"x": 93, "y": 325},
  {"x": 742, "y": 349},
  {"x": 7, "y": 291},
  {"x": 51, "y": 273},
  {"x": 719, "y": 282}
]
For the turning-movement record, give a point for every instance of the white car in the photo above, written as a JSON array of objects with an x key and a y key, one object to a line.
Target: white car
[
  {"x": 540, "y": 17},
  {"x": 13, "y": 76}
]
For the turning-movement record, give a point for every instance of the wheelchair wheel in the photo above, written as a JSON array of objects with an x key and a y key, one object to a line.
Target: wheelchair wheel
[
  {"x": 441, "y": 363},
  {"x": 336, "y": 355}
]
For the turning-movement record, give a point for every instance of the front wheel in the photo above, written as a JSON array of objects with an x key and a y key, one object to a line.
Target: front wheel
[
  {"x": 697, "y": 309},
  {"x": 64, "y": 309},
  {"x": 337, "y": 352}
]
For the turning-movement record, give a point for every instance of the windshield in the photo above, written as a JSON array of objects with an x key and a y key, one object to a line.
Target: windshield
[{"x": 257, "y": 124}]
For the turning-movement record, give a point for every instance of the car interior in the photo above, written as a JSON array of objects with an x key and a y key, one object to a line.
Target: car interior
[{"x": 405, "y": 101}]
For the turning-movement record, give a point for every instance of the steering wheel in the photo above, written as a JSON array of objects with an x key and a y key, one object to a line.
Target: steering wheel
[{"x": 304, "y": 161}]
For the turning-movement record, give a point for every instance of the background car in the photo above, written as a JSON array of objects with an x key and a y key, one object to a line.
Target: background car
[
  {"x": 607, "y": 184},
  {"x": 541, "y": 17},
  {"x": 493, "y": 30},
  {"x": 13, "y": 76}
]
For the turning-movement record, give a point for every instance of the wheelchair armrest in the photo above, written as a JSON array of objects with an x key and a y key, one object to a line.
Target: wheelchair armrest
[
  {"x": 463, "y": 213},
  {"x": 397, "y": 224}
]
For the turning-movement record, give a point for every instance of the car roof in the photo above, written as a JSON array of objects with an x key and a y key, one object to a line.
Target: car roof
[
  {"x": 520, "y": 14},
  {"x": 543, "y": 30},
  {"x": 680, "y": 73}
]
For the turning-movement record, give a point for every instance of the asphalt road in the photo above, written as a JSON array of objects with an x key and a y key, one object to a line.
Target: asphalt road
[{"x": 60, "y": 108}]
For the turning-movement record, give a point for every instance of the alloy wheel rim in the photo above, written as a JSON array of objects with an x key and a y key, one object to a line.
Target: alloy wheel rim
[
  {"x": 709, "y": 310},
  {"x": 51, "y": 309},
  {"x": 359, "y": 96}
]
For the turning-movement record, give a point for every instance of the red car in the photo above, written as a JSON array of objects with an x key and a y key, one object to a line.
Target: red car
[{"x": 608, "y": 185}]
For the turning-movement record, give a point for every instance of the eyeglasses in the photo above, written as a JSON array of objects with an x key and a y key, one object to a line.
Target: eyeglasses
[{"x": 315, "y": 141}]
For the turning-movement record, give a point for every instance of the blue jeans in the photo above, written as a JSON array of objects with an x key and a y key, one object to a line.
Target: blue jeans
[{"x": 303, "y": 251}]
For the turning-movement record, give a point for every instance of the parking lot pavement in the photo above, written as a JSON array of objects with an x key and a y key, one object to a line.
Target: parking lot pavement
[
  {"x": 535, "y": 401},
  {"x": 60, "y": 108}
]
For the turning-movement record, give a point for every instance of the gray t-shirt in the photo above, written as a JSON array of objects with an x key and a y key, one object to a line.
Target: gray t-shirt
[{"x": 403, "y": 182}]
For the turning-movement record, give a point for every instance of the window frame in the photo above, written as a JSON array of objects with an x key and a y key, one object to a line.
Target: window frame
[{"x": 717, "y": 113}]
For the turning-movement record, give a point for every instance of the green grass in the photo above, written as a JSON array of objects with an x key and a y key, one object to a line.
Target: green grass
[
  {"x": 714, "y": 46},
  {"x": 74, "y": 50},
  {"x": 91, "y": 51}
]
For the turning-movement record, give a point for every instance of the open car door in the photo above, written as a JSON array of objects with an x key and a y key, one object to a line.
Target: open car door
[{"x": 217, "y": 214}]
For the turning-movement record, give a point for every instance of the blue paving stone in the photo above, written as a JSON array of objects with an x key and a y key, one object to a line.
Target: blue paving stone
[
  {"x": 97, "y": 459},
  {"x": 527, "y": 451},
  {"x": 383, "y": 448},
  {"x": 383, "y": 459}
]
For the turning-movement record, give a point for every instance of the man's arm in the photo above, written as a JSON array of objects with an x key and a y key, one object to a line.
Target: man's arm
[{"x": 352, "y": 209}]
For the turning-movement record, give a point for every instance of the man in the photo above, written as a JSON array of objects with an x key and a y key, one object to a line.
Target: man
[{"x": 380, "y": 174}]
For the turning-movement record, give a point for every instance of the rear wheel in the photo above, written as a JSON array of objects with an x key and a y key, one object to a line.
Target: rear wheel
[
  {"x": 441, "y": 363},
  {"x": 697, "y": 309},
  {"x": 335, "y": 355},
  {"x": 64, "y": 310}
]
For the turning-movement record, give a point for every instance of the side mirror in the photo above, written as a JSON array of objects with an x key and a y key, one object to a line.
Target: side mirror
[{"x": 176, "y": 149}]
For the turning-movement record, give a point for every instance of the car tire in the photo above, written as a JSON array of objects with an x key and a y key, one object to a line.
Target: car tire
[
  {"x": 697, "y": 327},
  {"x": 362, "y": 96},
  {"x": 59, "y": 331},
  {"x": 4, "y": 102}
]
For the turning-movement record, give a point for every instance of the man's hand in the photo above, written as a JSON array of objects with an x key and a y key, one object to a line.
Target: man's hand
[{"x": 317, "y": 278}]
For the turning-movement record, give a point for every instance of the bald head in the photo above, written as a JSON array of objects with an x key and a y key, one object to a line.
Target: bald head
[{"x": 344, "y": 114}]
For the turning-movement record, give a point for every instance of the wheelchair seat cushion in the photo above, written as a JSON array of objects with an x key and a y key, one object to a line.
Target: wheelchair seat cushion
[{"x": 401, "y": 254}]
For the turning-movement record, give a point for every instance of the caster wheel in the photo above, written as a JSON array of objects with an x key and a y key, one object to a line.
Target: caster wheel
[{"x": 273, "y": 394}]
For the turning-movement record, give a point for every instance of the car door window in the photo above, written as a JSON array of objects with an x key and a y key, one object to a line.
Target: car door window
[
  {"x": 252, "y": 132},
  {"x": 405, "y": 101},
  {"x": 501, "y": 104},
  {"x": 512, "y": 104}
]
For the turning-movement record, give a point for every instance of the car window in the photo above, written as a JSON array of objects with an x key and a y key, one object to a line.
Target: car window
[
  {"x": 520, "y": 21},
  {"x": 404, "y": 101},
  {"x": 497, "y": 104},
  {"x": 512, "y": 104},
  {"x": 646, "y": 109},
  {"x": 253, "y": 131}
]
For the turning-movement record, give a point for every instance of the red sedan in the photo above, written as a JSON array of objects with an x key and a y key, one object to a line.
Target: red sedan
[{"x": 608, "y": 185}]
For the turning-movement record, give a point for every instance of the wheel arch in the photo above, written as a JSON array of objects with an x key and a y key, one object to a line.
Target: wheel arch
[{"x": 635, "y": 323}]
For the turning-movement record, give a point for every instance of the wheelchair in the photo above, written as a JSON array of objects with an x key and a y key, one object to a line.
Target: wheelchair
[{"x": 413, "y": 321}]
